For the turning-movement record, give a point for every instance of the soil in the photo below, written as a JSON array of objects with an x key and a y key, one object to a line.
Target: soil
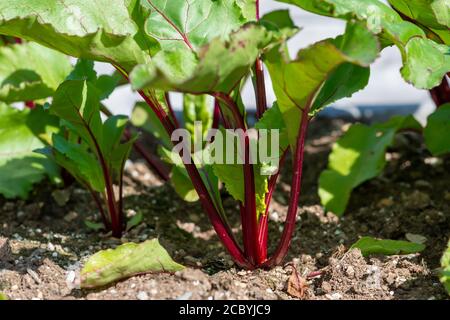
[{"x": 44, "y": 242}]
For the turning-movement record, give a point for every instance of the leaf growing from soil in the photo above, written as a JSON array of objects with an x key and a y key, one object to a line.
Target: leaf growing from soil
[
  {"x": 125, "y": 261},
  {"x": 30, "y": 72},
  {"x": 445, "y": 274},
  {"x": 21, "y": 132},
  {"x": 357, "y": 157},
  {"x": 437, "y": 131},
  {"x": 369, "y": 246}
]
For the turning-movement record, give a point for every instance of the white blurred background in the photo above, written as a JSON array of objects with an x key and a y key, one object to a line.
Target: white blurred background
[{"x": 387, "y": 92}]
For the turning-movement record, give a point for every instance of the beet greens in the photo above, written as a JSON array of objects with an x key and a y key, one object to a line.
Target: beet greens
[{"x": 209, "y": 49}]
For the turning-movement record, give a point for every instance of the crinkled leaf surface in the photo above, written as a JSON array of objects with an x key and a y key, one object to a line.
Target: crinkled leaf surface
[
  {"x": 357, "y": 157},
  {"x": 193, "y": 24},
  {"x": 103, "y": 30},
  {"x": 127, "y": 260},
  {"x": 426, "y": 64},
  {"x": 445, "y": 273},
  {"x": 29, "y": 71},
  {"x": 431, "y": 13},
  {"x": 297, "y": 82},
  {"x": 197, "y": 55},
  {"x": 369, "y": 246},
  {"x": 383, "y": 20},
  {"x": 217, "y": 67},
  {"x": 437, "y": 131},
  {"x": 21, "y": 132}
]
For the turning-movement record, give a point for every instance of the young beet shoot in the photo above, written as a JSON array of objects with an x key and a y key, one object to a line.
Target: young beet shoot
[
  {"x": 90, "y": 150},
  {"x": 213, "y": 53}
]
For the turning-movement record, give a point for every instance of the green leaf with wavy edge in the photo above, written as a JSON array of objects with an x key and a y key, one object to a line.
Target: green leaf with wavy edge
[
  {"x": 280, "y": 22},
  {"x": 426, "y": 64},
  {"x": 105, "y": 84},
  {"x": 437, "y": 131},
  {"x": 218, "y": 67},
  {"x": 29, "y": 71},
  {"x": 21, "y": 132},
  {"x": 434, "y": 14},
  {"x": 384, "y": 21},
  {"x": 359, "y": 155},
  {"x": 369, "y": 246},
  {"x": 313, "y": 70},
  {"x": 445, "y": 273},
  {"x": 103, "y": 30},
  {"x": 127, "y": 260}
]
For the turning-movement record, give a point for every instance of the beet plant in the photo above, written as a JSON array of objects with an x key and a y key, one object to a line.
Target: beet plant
[{"x": 210, "y": 48}]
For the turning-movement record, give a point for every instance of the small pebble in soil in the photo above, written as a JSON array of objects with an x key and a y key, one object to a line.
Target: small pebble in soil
[
  {"x": 5, "y": 249},
  {"x": 50, "y": 246},
  {"x": 71, "y": 216},
  {"x": 185, "y": 296},
  {"x": 274, "y": 216},
  {"x": 142, "y": 295}
]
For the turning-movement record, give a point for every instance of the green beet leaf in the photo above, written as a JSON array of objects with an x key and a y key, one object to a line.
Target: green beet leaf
[
  {"x": 369, "y": 246},
  {"x": 105, "y": 84},
  {"x": 316, "y": 71},
  {"x": 437, "y": 131},
  {"x": 92, "y": 151},
  {"x": 192, "y": 25},
  {"x": 21, "y": 132},
  {"x": 30, "y": 72},
  {"x": 393, "y": 30},
  {"x": 144, "y": 118},
  {"x": 357, "y": 157},
  {"x": 127, "y": 260},
  {"x": 103, "y": 30},
  {"x": 434, "y": 14},
  {"x": 196, "y": 112},
  {"x": 426, "y": 73},
  {"x": 212, "y": 69}
]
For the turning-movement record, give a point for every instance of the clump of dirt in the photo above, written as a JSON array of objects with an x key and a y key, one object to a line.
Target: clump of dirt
[{"x": 44, "y": 241}]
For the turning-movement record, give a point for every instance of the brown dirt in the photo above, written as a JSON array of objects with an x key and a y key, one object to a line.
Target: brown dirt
[{"x": 43, "y": 245}]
